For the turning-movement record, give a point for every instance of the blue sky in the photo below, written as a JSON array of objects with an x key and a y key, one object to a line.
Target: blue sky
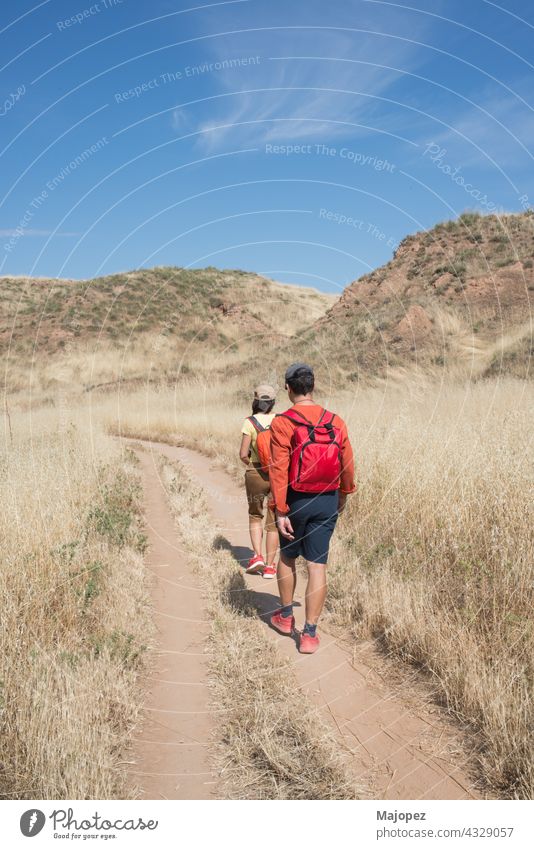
[{"x": 302, "y": 140}]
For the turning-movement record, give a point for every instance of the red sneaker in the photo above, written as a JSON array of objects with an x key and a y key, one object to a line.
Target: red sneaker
[
  {"x": 255, "y": 564},
  {"x": 283, "y": 624},
  {"x": 270, "y": 571},
  {"x": 308, "y": 644}
]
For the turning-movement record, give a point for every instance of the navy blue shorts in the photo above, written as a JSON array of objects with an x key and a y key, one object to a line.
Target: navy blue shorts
[{"x": 313, "y": 518}]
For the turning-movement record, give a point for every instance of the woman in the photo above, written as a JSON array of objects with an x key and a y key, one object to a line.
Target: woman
[{"x": 257, "y": 483}]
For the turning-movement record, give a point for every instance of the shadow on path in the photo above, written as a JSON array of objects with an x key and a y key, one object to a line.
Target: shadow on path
[
  {"x": 241, "y": 553},
  {"x": 265, "y": 603}
]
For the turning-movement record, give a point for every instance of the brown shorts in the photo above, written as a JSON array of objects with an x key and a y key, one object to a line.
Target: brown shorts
[{"x": 258, "y": 489}]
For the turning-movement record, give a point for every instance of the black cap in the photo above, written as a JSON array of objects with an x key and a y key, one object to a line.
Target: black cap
[{"x": 292, "y": 370}]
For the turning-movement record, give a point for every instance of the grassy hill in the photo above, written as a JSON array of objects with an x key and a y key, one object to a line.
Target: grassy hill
[
  {"x": 153, "y": 324},
  {"x": 191, "y": 304},
  {"x": 459, "y": 296}
]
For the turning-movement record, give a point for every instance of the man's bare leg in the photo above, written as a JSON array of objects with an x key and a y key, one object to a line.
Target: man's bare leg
[
  {"x": 272, "y": 543},
  {"x": 287, "y": 580},
  {"x": 315, "y": 592}
]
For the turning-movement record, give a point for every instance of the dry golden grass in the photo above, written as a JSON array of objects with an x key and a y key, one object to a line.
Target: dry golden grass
[
  {"x": 434, "y": 556},
  {"x": 272, "y": 744},
  {"x": 284, "y": 307},
  {"x": 73, "y": 609}
]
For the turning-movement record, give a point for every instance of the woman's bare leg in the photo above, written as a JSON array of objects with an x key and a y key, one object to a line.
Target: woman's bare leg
[{"x": 255, "y": 526}]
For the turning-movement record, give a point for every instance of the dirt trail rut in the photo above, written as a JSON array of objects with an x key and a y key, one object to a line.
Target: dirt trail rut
[
  {"x": 405, "y": 752},
  {"x": 170, "y": 753}
]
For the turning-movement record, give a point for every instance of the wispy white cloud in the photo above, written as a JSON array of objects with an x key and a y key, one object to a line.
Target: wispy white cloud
[
  {"x": 500, "y": 132},
  {"x": 310, "y": 83}
]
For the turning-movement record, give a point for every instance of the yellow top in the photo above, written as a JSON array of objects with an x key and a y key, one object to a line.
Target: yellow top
[{"x": 248, "y": 428}]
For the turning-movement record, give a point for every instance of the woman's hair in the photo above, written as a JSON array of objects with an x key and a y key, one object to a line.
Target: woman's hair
[{"x": 259, "y": 406}]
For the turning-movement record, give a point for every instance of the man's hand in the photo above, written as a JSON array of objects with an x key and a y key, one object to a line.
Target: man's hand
[
  {"x": 342, "y": 502},
  {"x": 284, "y": 526}
]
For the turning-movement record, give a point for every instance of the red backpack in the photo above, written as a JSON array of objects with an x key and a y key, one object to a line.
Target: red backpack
[
  {"x": 263, "y": 443},
  {"x": 315, "y": 464}
]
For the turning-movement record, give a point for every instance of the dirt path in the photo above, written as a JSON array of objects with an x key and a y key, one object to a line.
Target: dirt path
[
  {"x": 405, "y": 748},
  {"x": 170, "y": 753}
]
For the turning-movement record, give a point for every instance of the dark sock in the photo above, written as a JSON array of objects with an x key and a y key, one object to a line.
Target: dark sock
[
  {"x": 310, "y": 629},
  {"x": 287, "y": 611}
]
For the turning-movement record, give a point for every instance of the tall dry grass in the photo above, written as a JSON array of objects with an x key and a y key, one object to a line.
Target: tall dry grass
[
  {"x": 435, "y": 554},
  {"x": 72, "y": 606}
]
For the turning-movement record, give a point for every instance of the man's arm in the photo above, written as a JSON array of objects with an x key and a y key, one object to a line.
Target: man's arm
[
  {"x": 281, "y": 432},
  {"x": 347, "y": 482},
  {"x": 279, "y": 467}
]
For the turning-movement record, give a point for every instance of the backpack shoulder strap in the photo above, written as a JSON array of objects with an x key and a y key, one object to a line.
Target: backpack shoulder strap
[
  {"x": 297, "y": 423},
  {"x": 308, "y": 422},
  {"x": 291, "y": 413},
  {"x": 258, "y": 427},
  {"x": 331, "y": 417},
  {"x": 329, "y": 424}
]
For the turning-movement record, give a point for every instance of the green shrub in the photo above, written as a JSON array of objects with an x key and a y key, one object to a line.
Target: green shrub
[
  {"x": 469, "y": 218},
  {"x": 113, "y": 518}
]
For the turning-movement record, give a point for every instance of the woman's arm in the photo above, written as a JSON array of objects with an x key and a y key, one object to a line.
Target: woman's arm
[{"x": 244, "y": 449}]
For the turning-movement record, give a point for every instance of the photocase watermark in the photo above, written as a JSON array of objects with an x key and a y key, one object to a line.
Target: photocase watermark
[
  {"x": 169, "y": 77},
  {"x": 356, "y": 157},
  {"x": 66, "y": 820},
  {"x": 51, "y": 185},
  {"x": 11, "y": 99},
  {"x": 366, "y": 227},
  {"x": 88, "y": 12},
  {"x": 33, "y": 820},
  {"x": 437, "y": 155}
]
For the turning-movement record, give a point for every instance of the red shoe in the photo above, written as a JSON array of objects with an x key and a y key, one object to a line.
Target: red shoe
[
  {"x": 308, "y": 644},
  {"x": 283, "y": 624},
  {"x": 255, "y": 564},
  {"x": 270, "y": 571}
]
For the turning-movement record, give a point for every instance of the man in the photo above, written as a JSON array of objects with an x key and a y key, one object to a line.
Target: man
[{"x": 311, "y": 474}]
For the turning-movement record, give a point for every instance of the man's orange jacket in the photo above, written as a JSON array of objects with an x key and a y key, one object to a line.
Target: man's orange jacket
[{"x": 281, "y": 433}]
